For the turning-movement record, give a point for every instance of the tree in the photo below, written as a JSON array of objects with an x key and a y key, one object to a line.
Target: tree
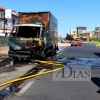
[
  {"x": 69, "y": 37},
  {"x": 59, "y": 37}
]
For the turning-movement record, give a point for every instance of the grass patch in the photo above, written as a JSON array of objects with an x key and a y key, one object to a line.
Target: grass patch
[{"x": 94, "y": 42}]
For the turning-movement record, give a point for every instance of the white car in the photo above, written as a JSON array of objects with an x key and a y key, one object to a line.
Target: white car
[{"x": 84, "y": 41}]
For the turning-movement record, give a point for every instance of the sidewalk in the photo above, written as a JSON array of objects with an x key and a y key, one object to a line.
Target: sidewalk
[
  {"x": 63, "y": 44},
  {"x": 4, "y": 51},
  {"x": 13, "y": 72}
]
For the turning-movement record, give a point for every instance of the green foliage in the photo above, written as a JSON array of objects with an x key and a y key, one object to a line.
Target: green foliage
[
  {"x": 69, "y": 37},
  {"x": 90, "y": 39},
  {"x": 94, "y": 39}
]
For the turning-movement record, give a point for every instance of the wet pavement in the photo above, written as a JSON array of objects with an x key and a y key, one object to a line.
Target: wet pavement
[{"x": 94, "y": 62}]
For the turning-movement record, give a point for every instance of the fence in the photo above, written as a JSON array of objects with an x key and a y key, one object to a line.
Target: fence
[{"x": 3, "y": 41}]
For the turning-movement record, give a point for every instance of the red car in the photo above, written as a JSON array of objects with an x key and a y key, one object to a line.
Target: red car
[{"x": 76, "y": 42}]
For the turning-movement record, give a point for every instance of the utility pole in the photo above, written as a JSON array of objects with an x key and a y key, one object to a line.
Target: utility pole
[
  {"x": 77, "y": 32},
  {"x": 4, "y": 22}
]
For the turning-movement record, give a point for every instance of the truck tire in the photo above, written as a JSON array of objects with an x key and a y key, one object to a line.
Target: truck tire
[
  {"x": 56, "y": 47},
  {"x": 53, "y": 52},
  {"x": 44, "y": 55}
]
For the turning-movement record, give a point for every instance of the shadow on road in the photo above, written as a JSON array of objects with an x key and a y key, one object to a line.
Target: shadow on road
[
  {"x": 97, "y": 54},
  {"x": 96, "y": 81}
]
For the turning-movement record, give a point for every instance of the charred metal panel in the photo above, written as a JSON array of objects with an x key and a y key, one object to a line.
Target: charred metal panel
[
  {"x": 53, "y": 28},
  {"x": 32, "y": 17},
  {"x": 24, "y": 43}
]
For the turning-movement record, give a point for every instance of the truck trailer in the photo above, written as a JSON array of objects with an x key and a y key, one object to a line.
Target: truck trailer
[{"x": 34, "y": 36}]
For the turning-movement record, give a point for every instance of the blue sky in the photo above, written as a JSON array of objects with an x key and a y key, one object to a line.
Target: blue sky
[{"x": 70, "y": 13}]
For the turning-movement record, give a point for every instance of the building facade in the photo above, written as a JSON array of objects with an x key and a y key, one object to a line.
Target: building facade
[
  {"x": 2, "y": 18},
  {"x": 11, "y": 19},
  {"x": 73, "y": 33},
  {"x": 87, "y": 33},
  {"x": 80, "y": 29},
  {"x": 8, "y": 18},
  {"x": 97, "y": 33}
]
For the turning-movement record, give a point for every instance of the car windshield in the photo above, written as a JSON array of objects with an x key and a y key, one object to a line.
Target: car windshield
[{"x": 75, "y": 40}]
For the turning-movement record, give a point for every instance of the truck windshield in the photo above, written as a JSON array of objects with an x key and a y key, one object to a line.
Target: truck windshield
[{"x": 28, "y": 31}]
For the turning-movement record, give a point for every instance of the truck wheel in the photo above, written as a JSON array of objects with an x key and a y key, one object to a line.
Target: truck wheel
[
  {"x": 53, "y": 52},
  {"x": 57, "y": 48},
  {"x": 43, "y": 55}
]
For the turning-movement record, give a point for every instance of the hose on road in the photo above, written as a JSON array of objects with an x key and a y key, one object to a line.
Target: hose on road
[{"x": 38, "y": 74}]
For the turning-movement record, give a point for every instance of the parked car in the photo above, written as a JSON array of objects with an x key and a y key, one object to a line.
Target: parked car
[
  {"x": 84, "y": 41},
  {"x": 68, "y": 41},
  {"x": 62, "y": 41},
  {"x": 76, "y": 42}
]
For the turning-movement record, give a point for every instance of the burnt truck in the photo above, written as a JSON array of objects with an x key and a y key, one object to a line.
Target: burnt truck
[{"x": 34, "y": 36}]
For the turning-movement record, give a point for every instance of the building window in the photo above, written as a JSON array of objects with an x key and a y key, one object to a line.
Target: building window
[
  {"x": 0, "y": 14},
  {"x": 13, "y": 21}
]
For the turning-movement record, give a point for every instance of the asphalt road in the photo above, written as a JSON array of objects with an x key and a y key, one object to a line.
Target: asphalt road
[
  {"x": 84, "y": 51},
  {"x": 44, "y": 88}
]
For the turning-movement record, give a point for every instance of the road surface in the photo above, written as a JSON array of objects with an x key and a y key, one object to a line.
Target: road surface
[{"x": 44, "y": 88}]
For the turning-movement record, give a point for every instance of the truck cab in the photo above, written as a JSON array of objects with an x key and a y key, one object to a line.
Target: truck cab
[
  {"x": 28, "y": 41},
  {"x": 25, "y": 37}
]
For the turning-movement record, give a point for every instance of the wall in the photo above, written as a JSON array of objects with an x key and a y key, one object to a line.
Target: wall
[
  {"x": 87, "y": 34},
  {"x": 1, "y": 17},
  {"x": 14, "y": 18},
  {"x": 2, "y": 31},
  {"x": 73, "y": 33},
  {"x": 3, "y": 41},
  {"x": 2, "y": 14},
  {"x": 10, "y": 15},
  {"x": 80, "y": 29}
]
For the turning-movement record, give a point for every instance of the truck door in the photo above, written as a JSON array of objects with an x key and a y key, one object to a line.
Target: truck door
[
  {"x": 13, "y": 39},
  {"x": 44, "y": 37}
]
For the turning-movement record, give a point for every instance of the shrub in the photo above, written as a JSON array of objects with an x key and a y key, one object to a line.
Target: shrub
[
  {"x": 95, "y": 39},
  {"x": 90, "y": 39}
]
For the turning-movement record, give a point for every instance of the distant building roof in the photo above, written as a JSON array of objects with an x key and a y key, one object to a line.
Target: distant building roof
[
  {"x": 2, "y": 8},
  {"x": 73, "y": 30},
  {"x": 87, "y": 31},
  {"x": 97, "y": 31}
]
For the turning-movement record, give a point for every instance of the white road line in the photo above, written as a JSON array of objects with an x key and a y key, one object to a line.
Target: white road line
[
  {"x": 24, "y": 88},
  {"x": 27, "y": 86},
  {"x": 42, "y": 70}
]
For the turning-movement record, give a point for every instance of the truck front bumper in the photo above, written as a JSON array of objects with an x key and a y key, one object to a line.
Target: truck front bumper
[{"x": 19, "y": 54}]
